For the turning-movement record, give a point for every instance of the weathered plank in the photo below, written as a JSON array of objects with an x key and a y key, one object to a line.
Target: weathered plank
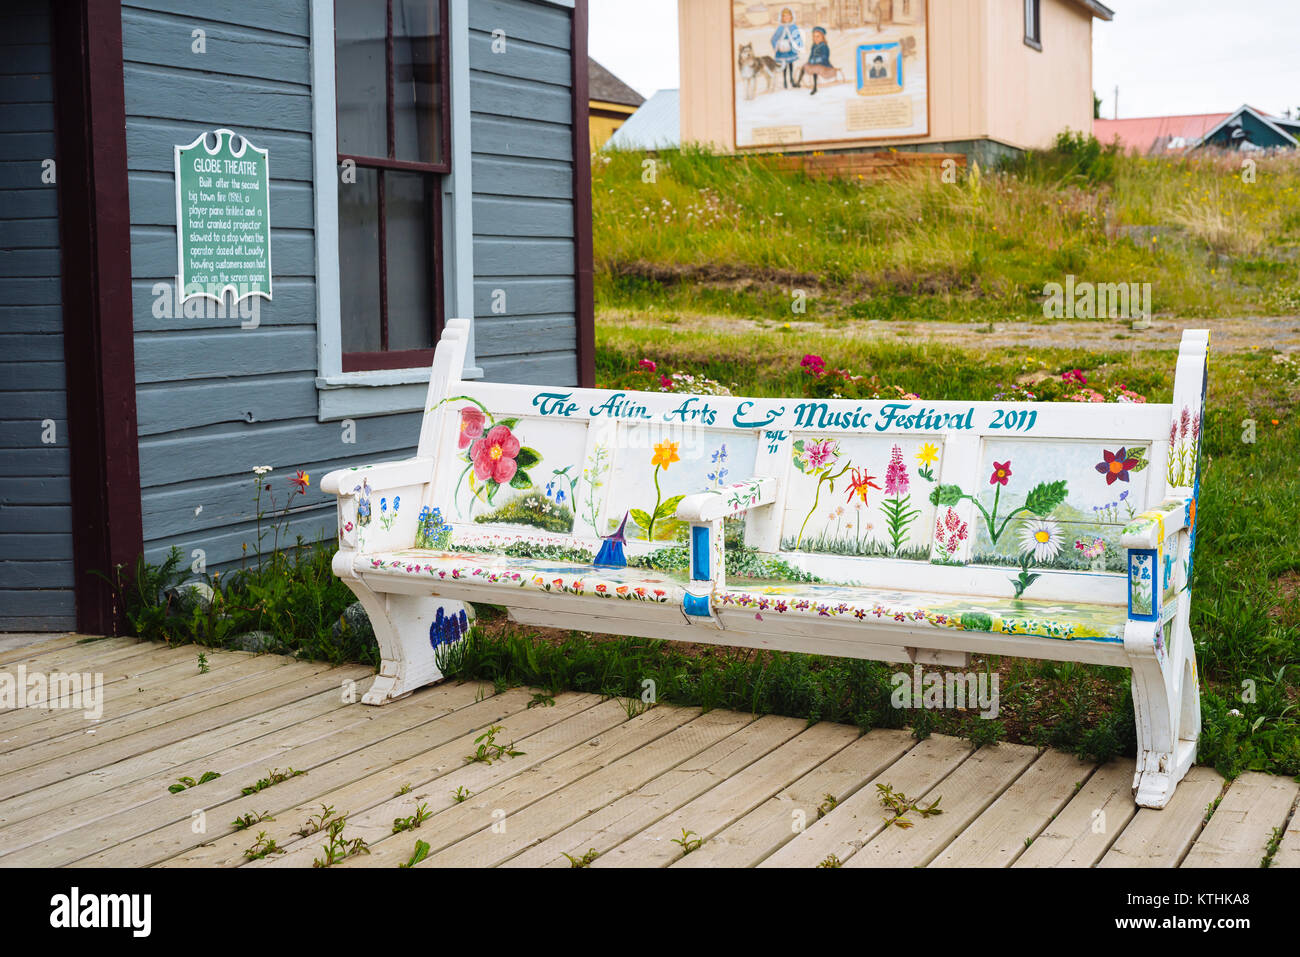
[
  {"x": 777, "y": 820},
  {"x": 963, "y": 796},
  {"x": 1238, "y": 832},
  {"x": 1082, "y": 833},
  {"x": 1001, "y": 834},
  {"x": 1162, "y": 838},
  {"x": 732, "y": 799},
  {"x": 854, "y": 822}
]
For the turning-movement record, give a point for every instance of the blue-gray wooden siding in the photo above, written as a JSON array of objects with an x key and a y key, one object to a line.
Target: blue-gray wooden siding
[
  {"x": 522, "y": 140},
  {"x": 215, "y": 400},
  {"x": 36, "y": 578}
]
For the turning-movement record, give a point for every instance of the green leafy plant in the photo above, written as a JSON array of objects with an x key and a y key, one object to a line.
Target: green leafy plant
[
  {"x": 272, "y": 778},
  {"x": 245, "y": 821},
  {"x": 404, "y": 789},
  {"x": 317, "y": 822},
  {"x": 184, "y": 784},
  {"x": 901, "y": 805},
  {"x": 541, "y": 699},
  {"x": 420, "y": 853},
  {"x": 461, "y": 795},
  {"x": 583, "y": 861},
  {"x": 422, "y": 814},
  {"x": 488, "y": 750},
  {"x": 827, "y": 805},
  {"x": 338, "y": 847},
  {"x": 262, "y": 847},
  {"x": 831, "y": 860},
  {"x": 203, "y": 663},
  {"x": 687, "y": 842}
]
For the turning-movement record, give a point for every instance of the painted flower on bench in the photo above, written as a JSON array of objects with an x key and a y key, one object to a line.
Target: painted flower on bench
[
  {"x": 818, "y": 458},
  {"x": 1043, "y": 499},
  {"x": 494, "y": 457},
  {"x": 1116, "y": 466},
  {"x": 431, "y": 531},
  {"x": 659, "y": 523}
]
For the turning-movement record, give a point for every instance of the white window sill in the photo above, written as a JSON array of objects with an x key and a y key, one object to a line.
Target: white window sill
[{"x": 349, "y": 395}]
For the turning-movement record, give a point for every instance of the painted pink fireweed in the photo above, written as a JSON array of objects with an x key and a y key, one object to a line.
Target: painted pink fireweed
[{"x": 898, "y": 511}]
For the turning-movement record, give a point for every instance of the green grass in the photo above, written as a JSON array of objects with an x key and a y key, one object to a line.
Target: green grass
[{"x": 728, "y": 236}]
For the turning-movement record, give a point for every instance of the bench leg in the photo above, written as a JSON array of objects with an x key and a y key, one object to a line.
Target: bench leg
[
  {"x": 1166, "y": 704},
  {"x": 402, "y": 624}
]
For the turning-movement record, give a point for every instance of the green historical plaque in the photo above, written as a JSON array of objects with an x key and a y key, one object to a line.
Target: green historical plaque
[{"x": 223, "y": 218}]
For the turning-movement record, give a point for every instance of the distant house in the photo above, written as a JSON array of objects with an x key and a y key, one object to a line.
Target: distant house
[
  {"x": 611, "y": 102},
  {"x": 655, "y": 126},
  {"x": 381, "y": 168},
  {"x": 1246, "y": 128},
  {"x": 987, "y": 78}
]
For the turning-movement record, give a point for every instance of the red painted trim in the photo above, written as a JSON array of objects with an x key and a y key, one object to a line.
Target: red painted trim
[
  {"x": 366, "y": 361},
  {"x": 585, "y": 313},
  {"x": 98, "y": 325}
]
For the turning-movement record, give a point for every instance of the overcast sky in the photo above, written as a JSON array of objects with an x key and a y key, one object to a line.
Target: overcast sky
[{"x": 1166, "y": 56}]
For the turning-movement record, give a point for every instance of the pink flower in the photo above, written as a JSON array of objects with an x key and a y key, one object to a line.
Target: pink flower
[
  {"x": 471, "y": 425},
  {"x": 648, "y": 365},
  {"x": 1076, "y": 376},
  {"x": 896, "y": 480},
  {"x": 813, "y": 365},
  {"x": 494, "y": 454},
  {"x": 819, "y": 454},
  {"x": 1001, "y": 472},
  {"x": 665, "y": 382}
]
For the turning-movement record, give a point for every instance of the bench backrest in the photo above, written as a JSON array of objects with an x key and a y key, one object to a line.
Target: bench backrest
[{"x": 953, "y": 497}]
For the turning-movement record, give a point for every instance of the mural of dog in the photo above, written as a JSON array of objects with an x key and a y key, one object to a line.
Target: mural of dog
[{"x": 752, "y": 67}]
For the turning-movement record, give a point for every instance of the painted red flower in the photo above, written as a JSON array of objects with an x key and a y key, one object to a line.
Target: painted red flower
[
  {"x": 1001, "y": 472},
  {"x": 1116, "y": 465},
  {"x": 471, "y": 425},
  {"x": 494, "y": 454},
  {"x": 859, "y": 481}
]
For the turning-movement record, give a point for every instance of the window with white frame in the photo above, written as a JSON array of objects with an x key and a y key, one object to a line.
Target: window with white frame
[{"x": 392, "y": 118}]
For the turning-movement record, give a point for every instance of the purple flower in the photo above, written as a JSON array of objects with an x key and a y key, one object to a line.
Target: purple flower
[{"x": 896, "y": 480}]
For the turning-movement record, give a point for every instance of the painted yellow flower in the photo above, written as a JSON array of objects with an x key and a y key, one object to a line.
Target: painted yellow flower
[
  {"x": 665, "y": 454},
  {"x": 927, "y": 454}
]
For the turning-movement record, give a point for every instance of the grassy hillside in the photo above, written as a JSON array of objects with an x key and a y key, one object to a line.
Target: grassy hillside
[{"x": 688, "y": 231}]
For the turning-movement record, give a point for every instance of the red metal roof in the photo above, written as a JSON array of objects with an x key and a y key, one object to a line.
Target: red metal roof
[{"x": 1157, "y": 134}]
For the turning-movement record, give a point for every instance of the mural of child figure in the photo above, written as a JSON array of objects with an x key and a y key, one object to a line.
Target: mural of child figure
[
  {"x": 819, "y": 60},
  {"x": 787, "y": 44}
]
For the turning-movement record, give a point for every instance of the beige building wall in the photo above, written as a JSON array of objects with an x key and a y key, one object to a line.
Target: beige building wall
[
  {"x": 984, "y": 82},
  {"x": 1033, "y": 95}
]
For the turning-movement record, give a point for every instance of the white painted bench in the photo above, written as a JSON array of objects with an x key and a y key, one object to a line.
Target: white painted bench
[{"x": 899, "y": 531}]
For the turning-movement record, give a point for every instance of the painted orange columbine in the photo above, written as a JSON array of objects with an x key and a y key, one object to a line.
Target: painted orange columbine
[
  {"x": 665, "y": 454},
  {"x": 301, "y": 480},
  {"x": 859, "y": 481}
]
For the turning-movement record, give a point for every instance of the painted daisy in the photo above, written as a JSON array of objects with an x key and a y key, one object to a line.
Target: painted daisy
[{"x": 1041, "y": 538}]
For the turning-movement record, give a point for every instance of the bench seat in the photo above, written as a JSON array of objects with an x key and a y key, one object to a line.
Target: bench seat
[
  {"x": 1066, "y": 621},
  {"x": 535, "y": 574}
]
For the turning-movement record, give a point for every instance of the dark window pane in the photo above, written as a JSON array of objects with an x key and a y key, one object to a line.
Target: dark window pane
[
  {"x": 417, "y": 81},
  {"x": 410, "y": 260},
  {"x": 359, "y": 262},
  {"x": 360, "y": 30}
]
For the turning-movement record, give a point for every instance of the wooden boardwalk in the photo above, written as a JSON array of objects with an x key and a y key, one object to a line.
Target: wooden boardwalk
[{"x": 755, "y": 791}]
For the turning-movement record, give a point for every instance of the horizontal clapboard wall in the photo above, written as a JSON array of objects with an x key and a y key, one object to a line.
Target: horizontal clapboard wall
[
  {"x": 213, "y": 399},
  {"x": 521, "y": 128},
  {"x": 36, "y": 573}
]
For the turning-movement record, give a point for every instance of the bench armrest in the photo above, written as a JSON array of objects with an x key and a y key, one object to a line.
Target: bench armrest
[
  {"x": 1152, "y": 527},
  {"x": 380, "y": 477},
  {"x": 379, "y": 505},
  {"x": 717, "y": 503}
]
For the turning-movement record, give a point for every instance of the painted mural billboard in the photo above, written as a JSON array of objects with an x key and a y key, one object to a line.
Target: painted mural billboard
[{"x": 827, "y": 71}]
